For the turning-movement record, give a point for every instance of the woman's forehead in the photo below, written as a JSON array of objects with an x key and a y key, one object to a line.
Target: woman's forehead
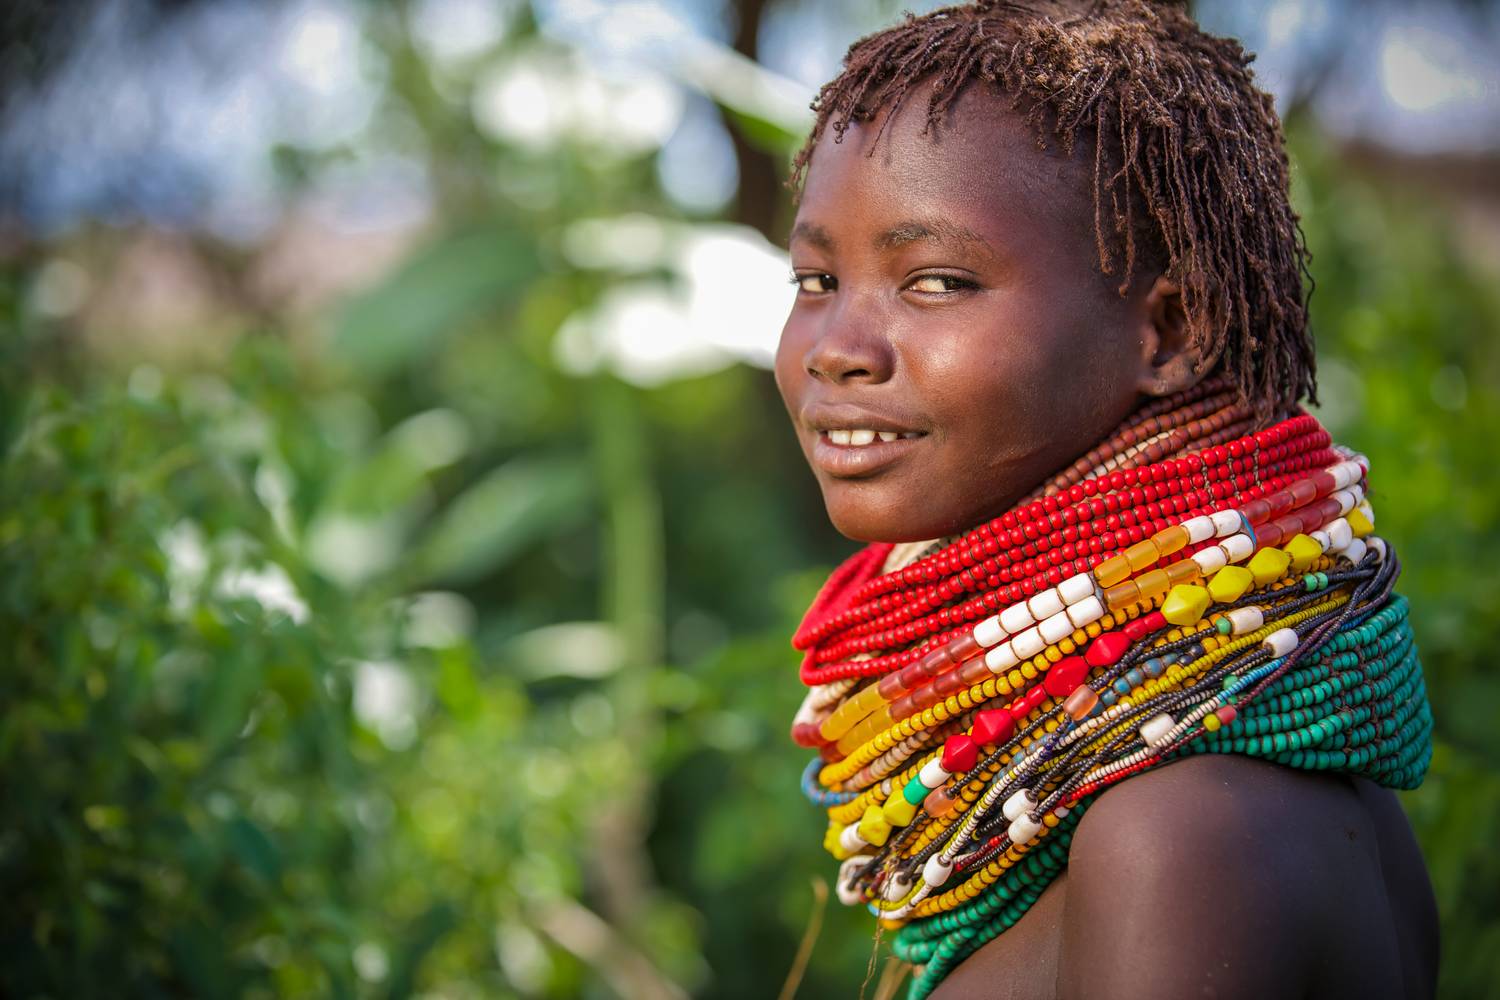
[{"x": 979, "y": 170}]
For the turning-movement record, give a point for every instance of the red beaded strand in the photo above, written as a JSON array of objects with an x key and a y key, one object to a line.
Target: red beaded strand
[{"x": 1040, "y": 544}]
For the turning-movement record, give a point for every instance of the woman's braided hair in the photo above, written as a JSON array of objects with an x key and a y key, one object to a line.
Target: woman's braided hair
[{"x": 1190, "y": 167}]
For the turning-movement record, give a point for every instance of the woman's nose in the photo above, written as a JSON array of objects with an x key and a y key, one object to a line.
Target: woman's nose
[{"x": 848, "y": 349}]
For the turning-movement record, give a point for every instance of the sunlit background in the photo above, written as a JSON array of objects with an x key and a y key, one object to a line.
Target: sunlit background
[{"x": 401, "y": 530}]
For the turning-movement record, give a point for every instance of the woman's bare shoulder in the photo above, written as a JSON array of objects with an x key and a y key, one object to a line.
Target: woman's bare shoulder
[
  {"x": 1224, "y": 876},
  {"x": 1228, "y": 876}
]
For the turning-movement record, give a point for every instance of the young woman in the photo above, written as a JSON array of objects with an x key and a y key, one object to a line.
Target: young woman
[{"x": 1047, "y": 355}]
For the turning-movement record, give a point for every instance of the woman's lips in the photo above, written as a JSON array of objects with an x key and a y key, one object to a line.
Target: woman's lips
[{"x": 845, "y": 461}]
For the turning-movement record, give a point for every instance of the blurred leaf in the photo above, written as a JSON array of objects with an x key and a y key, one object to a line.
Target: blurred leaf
[
  {"x": 438, "y": 288},
  {"x": 253, "y": 848},
  {"x": 520, "y": 503},
  {"x": 419, "y": 939}
]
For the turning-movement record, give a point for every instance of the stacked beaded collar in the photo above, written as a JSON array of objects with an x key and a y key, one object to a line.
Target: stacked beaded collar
[{"x": 1185, "y": 587}]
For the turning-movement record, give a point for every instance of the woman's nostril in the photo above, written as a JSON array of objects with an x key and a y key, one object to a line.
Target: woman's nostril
[{"x": 840, "y": 374}]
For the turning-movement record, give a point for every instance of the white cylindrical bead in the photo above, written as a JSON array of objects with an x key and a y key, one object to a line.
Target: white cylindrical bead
[
  {"x": 1377, "y": 545},
  {"x": 851, "y": 841},
  {"x": 1076, "y": 588},
  {"x": 1056, "y": 628},
  {"x": 989, "y": 632},
  {"x": 1015, "y": 618},
  {"x": 933, "y": 774},
  {"x": 896, "y": 887},
  {"x": 1028, "y": 643},
  {"x": 1046, "y": 604},
  {"x": 1281, "y": 642},
  {"x": 1355, "y": 551},
  {"x": 1001, "y": 658},
  {"x": 1023, "y": 829},
  {"x": 1199, "y": 529},
  {"x": 1211, "y": 559},
  {"x": 1237, "y": 548},
  {"x": 1246, "y": 619},
  {"x": 850, "y": 893},
  {"x": 1346, "y": 501},
  {"x": 1020, "y": 801},
  {"x": 936, "y": 871},
  {"x": 1226, "y": 522},
  {"x": 1086, "y": 612},
  {"x": 1155, "y": 729},
  {"x": 1339, "y": 535}
]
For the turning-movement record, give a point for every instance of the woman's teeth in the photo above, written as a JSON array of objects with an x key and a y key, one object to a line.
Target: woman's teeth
[{"x": 864, "y": 436}]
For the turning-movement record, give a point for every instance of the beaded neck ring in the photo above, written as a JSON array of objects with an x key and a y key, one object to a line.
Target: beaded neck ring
[{"x": 1191, "y": 585}]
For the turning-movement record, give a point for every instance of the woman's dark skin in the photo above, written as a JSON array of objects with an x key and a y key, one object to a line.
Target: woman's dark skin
[{"x": 949, "y": 286}]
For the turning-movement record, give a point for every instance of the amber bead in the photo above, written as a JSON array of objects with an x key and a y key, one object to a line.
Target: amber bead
[
  {"x": 1112, "y": 571},
  {"x": 1081, "y": 702},
  {"x": 976, "y": 671},
  {"x": 1141, "y": 554},
  {"x": 1122, "y": 595},
  {"x": 939, "y": 803},
  {"x": 1153, "y": 583},
  {"x": 1185, "y": 571},
  {"x": 1169, "y": 540}
]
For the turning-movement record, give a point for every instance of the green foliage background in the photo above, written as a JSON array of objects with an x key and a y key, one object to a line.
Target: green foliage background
[{"x": 568, "y": 611}]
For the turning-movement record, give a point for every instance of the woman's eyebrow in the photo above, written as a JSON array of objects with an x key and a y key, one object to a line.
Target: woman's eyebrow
[
  {"x": 938, "y": 231},
  {"x": 934, "y": 230},
  {"x": 811, "y": 232}
]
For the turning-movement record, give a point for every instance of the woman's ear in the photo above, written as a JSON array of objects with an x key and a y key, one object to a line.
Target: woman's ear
[{"x": 1168, "y": 362}]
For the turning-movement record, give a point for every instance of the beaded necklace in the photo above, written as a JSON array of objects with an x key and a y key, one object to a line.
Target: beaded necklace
[{"x": 1190, "y": 585}]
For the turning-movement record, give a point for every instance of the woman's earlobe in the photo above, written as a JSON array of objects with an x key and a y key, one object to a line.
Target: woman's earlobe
[{"x": 1169, "y": 362}]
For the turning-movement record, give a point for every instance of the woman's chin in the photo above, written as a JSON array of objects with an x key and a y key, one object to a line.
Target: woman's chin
[{"x": 866, "y": 522}]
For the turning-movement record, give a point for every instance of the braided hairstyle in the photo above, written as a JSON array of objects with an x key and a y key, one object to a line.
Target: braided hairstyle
[{"x": 1190, "y": 169}]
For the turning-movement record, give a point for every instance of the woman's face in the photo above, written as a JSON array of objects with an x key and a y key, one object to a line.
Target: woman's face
[{"x": 950, "y": 297}]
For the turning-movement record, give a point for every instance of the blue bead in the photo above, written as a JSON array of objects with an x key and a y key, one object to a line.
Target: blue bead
[
  {"x": 1108, "y": 698},
  {"x": 1134, "y": 676},
  {"x": 1153, "y": 667},
  {"x": 1122, "y": 686}
]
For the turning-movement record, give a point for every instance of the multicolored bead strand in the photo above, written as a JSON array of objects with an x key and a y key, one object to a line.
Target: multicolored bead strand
[{"x": 1189, "y": 586}]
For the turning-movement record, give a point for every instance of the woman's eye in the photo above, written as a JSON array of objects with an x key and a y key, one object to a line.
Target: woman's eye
[
  {"x": 939, "y": 283},
  {"x": 815, "y": 283}
]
